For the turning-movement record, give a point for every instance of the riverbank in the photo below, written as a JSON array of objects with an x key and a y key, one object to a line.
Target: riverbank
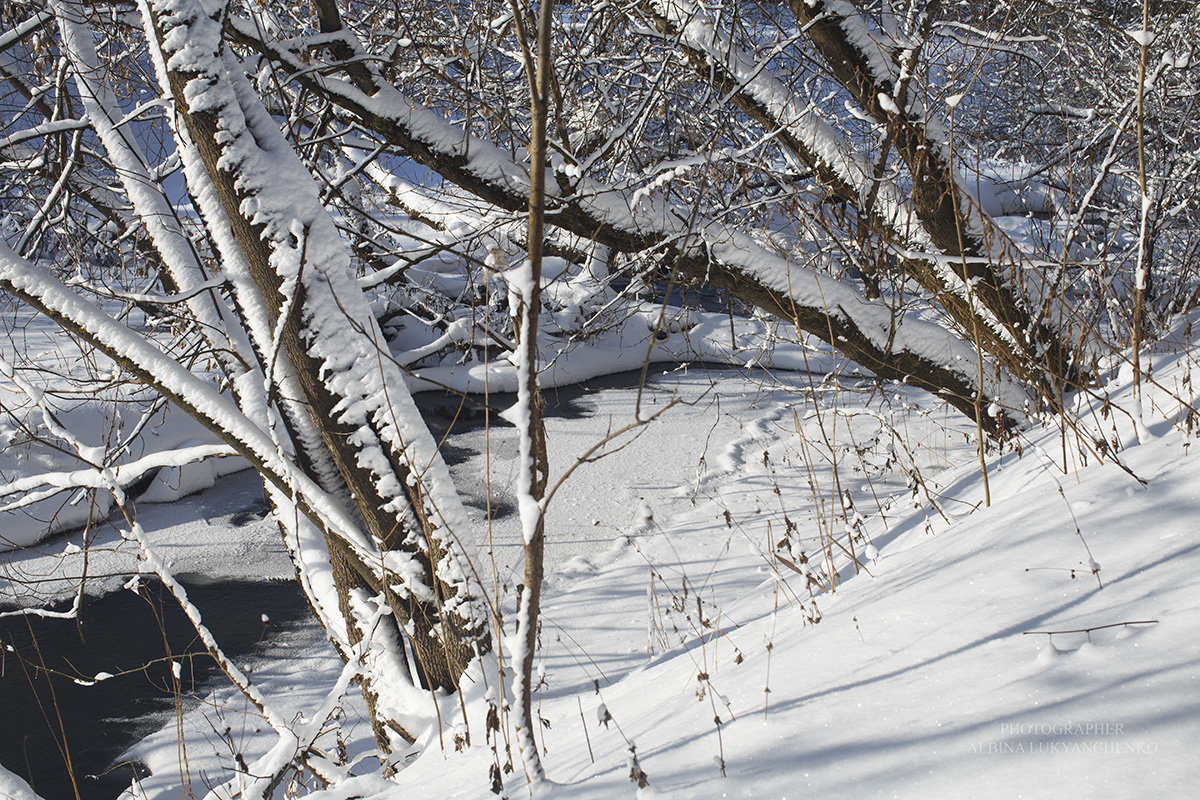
[
  {"x": 222, "y": 543},
  {"x": 744, "y": 630},
  {"x": 1045, "y": 645}
]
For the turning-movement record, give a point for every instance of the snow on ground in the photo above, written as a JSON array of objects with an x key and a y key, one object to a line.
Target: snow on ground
[
  {"x": 116, "y": 417},
  {"x": 660, "y": 467},
  {"x": 677, "y": 597},
  {"x": 221, "y": 534},
  {"x": 209, "y": 539},
  {"x": 953, "y": 664},
  {"x": 224, "y": 533}
]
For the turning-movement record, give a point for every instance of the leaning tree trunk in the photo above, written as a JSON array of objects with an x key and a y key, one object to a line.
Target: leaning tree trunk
[
  {"x": 346, "y": 409},
  {"x": 1023, "y": 312},
  {"x": 985, "y": 286}
]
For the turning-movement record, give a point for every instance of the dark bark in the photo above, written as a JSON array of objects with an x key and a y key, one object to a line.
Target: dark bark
[{"x": 443, "y": 644}]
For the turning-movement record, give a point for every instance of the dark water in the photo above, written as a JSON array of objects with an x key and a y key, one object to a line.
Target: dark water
[
  {"x": 451, "y": 413},
  {"x": 705, "y": 298},
  {"x": 138, "y": 634},
  {"x": 119, "y": 633}
]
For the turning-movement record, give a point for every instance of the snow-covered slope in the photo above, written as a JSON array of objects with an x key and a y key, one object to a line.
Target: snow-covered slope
[{"x": 957, "y": 662}]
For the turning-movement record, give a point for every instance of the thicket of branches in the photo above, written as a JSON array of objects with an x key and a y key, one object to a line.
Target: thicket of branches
[{"x": 265, "y": 215}]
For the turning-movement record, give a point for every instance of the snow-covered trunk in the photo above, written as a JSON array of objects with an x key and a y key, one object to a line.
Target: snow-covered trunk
[
  {"x": 147, "y": 363},
  {"x": 1027, "y": 323},
  {"x": 883, "y": 213},
  {"x": 215, "y": 320},
  {"x": 751, "y": 86},
  {"x": 533, "y": 468},
  {"x": 359, "y": 416},
  {"x": 1141, "y": 276},
  {"x": 150, "y": 204}
]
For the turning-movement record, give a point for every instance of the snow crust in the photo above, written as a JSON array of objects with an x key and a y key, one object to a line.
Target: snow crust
[{"x": 13, "y": 788}]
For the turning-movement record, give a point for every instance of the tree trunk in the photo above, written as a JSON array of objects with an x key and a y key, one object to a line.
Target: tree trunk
[{"x": 353, "y": 422}]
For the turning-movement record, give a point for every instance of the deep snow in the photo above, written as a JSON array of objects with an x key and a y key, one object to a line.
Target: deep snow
[
  {"x": 681, "y": 567},
  {"x": 929, "y": 673}
]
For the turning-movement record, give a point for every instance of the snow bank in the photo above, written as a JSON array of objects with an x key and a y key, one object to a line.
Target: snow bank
[
  {"x": 175, "y": 456},
  {"x": 1046, "y": 645}
]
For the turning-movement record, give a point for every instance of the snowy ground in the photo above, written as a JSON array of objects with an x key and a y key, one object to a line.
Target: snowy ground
[
  {"x": 223, "y": 533},
  {"x": 664, "y": 465},
  {"x": 931, "y": 672},
  {"x": 705, "y": 610}
]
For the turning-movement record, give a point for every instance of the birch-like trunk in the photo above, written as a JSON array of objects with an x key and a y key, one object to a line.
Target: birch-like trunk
[{"x": 527, "y": 413}]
